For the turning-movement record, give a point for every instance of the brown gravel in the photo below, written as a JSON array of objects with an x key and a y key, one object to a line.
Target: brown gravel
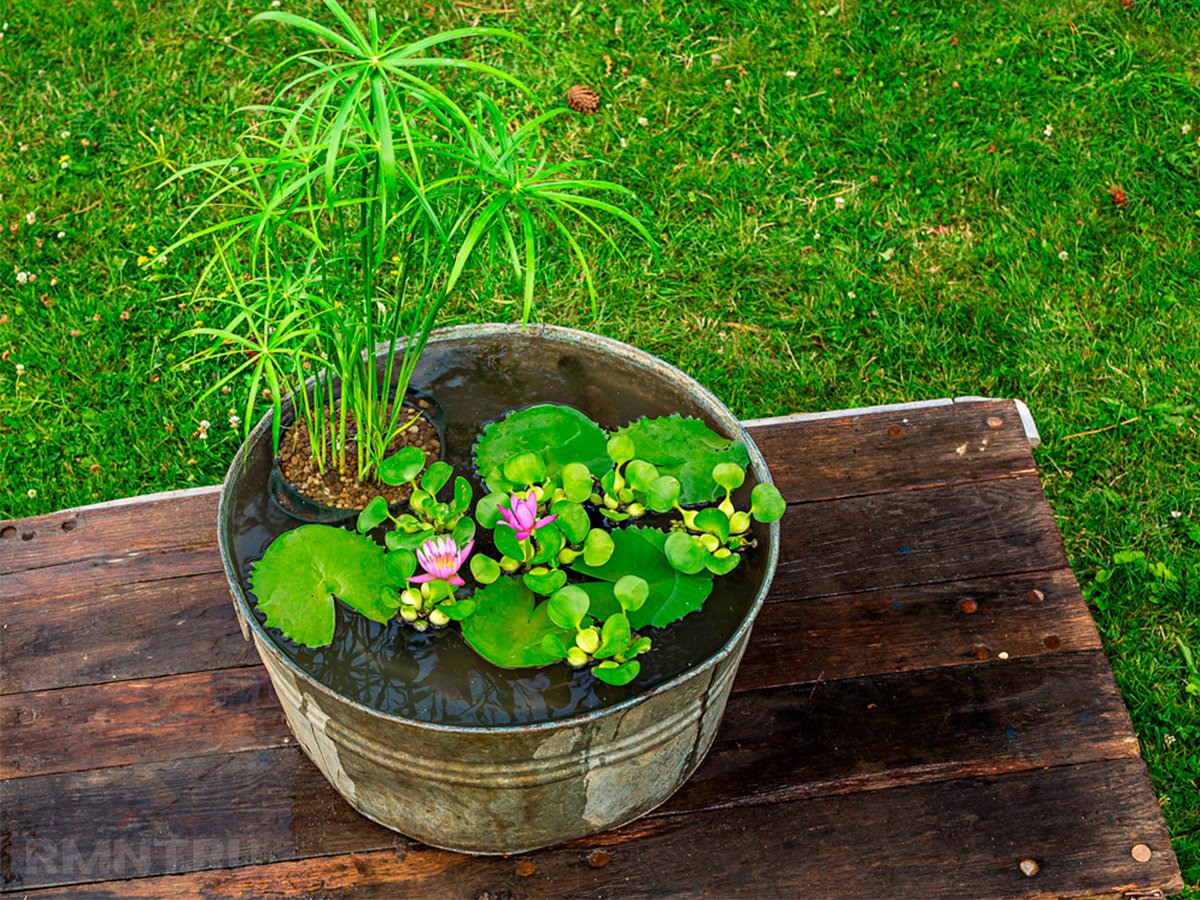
[{"x": 343, "y": 490}]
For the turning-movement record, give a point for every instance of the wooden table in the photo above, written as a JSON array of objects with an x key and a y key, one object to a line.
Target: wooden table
[{"x": 925, "y": 709}]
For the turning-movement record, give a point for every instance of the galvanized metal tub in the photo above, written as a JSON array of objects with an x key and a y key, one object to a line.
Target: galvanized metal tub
[{"x": 508, "y": 789}]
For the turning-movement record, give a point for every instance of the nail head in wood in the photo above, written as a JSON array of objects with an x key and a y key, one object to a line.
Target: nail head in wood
[
  {"x": 982, "y": 652},
  {"x": 1141, "y": 853},
  {"x": 526, "y": 867},
  {"x": 967, "y": 606},
  {"x": 1029, "y": 867},
  {"x": 1035, "y": 596},
  {"x": 994, "y": 421},
  {"x": 598, "y": 859},
  {"x": 895, "y": 431}
]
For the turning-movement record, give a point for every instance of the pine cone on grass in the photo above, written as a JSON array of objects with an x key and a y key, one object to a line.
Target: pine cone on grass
[{"x": 583, "y": 99}]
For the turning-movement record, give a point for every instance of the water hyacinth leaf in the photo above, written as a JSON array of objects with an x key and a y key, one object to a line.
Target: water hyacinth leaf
[
  {"x": 588, "y": 640},
  {"x": 549, "y": 541},
  {"x": 641, "y": 474},
  {"x": 484, "y": 569},
  {"x": 525, "y": 469},
  {"x": 436, "y": 476},
  {"x": 685, "y": 553},
  {"x": 506, "y": 541},
  {"x": 545, "y": 583},
  {"x": 568, "y": 606},
  {"x": 639, "y": 551},
  {"x": 663, "y": 493},
  {"x": 598, "y": 546},
  {"x": 739, "y": 523},
  {"x": 576, "y": 482},
  {"x": 422, "y": 501},
  {"x": 496, "y": 482},
  {"x": 304, "y": 569},
  {"x": 459, "y": 609},
  {"x": 615, "y": 636},
  {"x": 402, "y": 466},
  {"x": 722, "y": 565},
  {"x": 572, "y": 520},
  {"x": 729, "y": 475},
  {"x": 372, "y": 515},
  {"x": 620, "y": 448},
  {"x": 766, "y": 503},
  {"x": 462, "y": 496},
  {"x": 401, "y": 565},
  {"x": 558, "y": 434},
  {"x": 713, "y": 521},
  {"x": 631, "y": 591},
  {"x": 509, "y": 626},
  {"x": 487, "y": 510},
  {"x": 687, "y": 449},
  {"x": 608, "y": 482},
  {"x": 464, "y": 531},
  {"x": 617, "y": 675},
  {"x": 403, "y": 540}
]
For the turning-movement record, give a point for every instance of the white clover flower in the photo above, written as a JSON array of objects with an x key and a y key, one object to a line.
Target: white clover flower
[
  {"x": 22, "y": 277},
  {"x": 61, "y": 235},
  {"x": 20, "y": 369},
  {"x": 839, "y": 202},
  {"x": 737, "y": 110},
  {"x": 275, "y": 4},
  {"x": 64, "y": 134},
  {"x": 624, "y": 143},
  {"x": 24, "y": 148},
  {"x": 30, "y": 218},
  {"x": 31, "y": 493},
  {"x": 1186, "y": 128},
  {"x": 790, "y": 74},
  {"x": 1063, "y": 255},
  {"x": 716, "y": 58},
  {"x": 1048, "y": 130},
  {"x": 643, "y": 121}
]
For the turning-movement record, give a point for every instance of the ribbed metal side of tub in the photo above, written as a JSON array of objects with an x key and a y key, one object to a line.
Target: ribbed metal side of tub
[{"x": 511, "y": 790}]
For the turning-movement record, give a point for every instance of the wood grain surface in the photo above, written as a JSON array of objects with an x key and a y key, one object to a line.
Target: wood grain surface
[{"x": 924, "y": 705}]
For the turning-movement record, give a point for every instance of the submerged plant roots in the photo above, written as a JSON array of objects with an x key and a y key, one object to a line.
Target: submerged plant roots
[{"x": 343, "y": 490}]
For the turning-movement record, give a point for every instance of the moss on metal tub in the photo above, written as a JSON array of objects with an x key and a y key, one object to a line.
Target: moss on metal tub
[{"x": 509, "y": 788}]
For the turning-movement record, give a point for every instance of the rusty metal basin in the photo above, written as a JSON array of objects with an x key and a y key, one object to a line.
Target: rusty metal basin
[{"x": 508, "y": 789}]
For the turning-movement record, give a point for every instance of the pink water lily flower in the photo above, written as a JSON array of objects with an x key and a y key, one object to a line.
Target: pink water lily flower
[
  {"x": 441, "y": 560},
  {"x": 522, "y": 515}
]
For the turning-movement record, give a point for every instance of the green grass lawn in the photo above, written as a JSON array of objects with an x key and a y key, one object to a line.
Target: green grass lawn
[{"x": 859, "y": 204}]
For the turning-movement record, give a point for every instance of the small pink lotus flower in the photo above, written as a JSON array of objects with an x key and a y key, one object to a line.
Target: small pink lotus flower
[
  {"x": 441, "y": 560},
  {"x": 522, "y": 515}
]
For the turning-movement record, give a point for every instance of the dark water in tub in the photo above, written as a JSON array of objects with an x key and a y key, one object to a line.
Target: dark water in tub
[{"x": 435, "y": 676}]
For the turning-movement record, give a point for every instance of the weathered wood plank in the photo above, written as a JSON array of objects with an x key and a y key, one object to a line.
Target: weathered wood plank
[
  {"x": 780, "y": 744},
  {"x": 952, "y": 839},
  {"x": 901, "y": 629},
  {"x": 95, "y": 635},
  {"x": 880, "y": 452},
  {"x": 100, "y": 534},
  {"x": 917, "y": 537},
  {"x": 148, "y": 720}
]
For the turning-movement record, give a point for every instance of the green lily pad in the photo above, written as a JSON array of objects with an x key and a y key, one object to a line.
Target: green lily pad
[
  {"x": 509, "y": 626},
  {"x": 639, "y": 551},
  {"x": 687, "y": 449},
  {"x": 304, "y": 569},
  {"x": 559, "y": 435}
]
